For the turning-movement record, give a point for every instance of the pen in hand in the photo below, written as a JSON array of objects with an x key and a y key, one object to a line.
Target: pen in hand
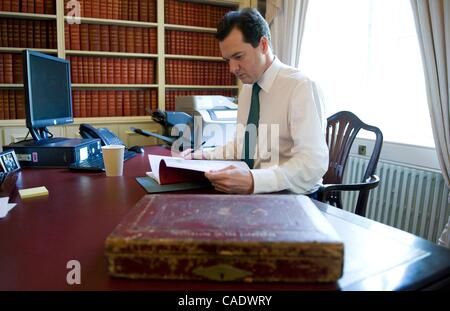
[{"x": 194, "y": 150}]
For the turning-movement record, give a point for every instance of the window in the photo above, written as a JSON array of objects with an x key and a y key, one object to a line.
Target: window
[{"x": 365, "y": 56}]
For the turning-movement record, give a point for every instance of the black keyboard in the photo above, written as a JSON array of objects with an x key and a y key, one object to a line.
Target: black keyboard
[{"x": 96, "y": 163}]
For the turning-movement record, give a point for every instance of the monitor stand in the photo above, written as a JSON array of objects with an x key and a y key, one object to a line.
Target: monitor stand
[
  {"x": 39, "y": 134},
  {"x": 41, "y": 137}
]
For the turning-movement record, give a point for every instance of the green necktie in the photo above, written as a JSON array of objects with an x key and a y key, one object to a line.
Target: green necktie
[{"x": 253, "y": 118}]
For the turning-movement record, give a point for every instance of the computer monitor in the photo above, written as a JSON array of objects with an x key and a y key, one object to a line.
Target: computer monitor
[{"x": 48, "y": 93}]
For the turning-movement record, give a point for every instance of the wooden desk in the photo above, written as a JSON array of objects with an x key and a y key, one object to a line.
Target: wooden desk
[{"x": 40, "y": 235}]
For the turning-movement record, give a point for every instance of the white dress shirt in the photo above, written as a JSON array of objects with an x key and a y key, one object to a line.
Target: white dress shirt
[{"x": 291, "y": 152}]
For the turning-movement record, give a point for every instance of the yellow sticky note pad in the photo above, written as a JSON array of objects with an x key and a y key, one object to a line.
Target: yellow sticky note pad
[{"x": 33, "y": 192}]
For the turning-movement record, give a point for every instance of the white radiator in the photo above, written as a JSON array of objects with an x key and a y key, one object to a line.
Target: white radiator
[{"x": 411, "y": 199}]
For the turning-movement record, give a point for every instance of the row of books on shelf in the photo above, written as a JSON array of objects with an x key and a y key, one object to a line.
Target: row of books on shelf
[
  {"x": 133, "y": 10},
  {"x": 113, "y": 103},
  {"x": 112, "y": 70},
  {"x": 191, "y": 43},
  {"x": 172, "y": 94},
  {"x": 12, "y": 104},
  {"x": 176, "y": 12},
  {"x": 87, "y": 103},
  {"x": 11, "y": 68},
  {"x": 29, "y": 6},
  {"x": 193, "y": 14},
  {"x": 110, "y": 38},
  {"x": 27, "y": 33},
  {"x": 193, "y": 72},
  {"x": 94, "y": 70},
  {"x": 94, "y": 103}
]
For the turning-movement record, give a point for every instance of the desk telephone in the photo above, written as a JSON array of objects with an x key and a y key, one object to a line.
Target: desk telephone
[{"x": 106, "y": 136}]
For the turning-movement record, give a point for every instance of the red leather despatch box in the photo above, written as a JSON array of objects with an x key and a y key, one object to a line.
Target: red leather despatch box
[{"x": 225, "y": 238}]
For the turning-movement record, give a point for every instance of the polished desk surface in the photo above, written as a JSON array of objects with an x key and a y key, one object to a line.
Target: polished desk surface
[{"x": 40, "y": 235}]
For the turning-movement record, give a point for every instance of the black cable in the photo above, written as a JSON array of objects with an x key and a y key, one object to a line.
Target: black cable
[
  {"x": 26, "y": 136},
  {"x": 48, "y": 132}
]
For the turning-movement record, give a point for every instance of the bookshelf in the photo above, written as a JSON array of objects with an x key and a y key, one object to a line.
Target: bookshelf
[{"x": 138, "y": 33}]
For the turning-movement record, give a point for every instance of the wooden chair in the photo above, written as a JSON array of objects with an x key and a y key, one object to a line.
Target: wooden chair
[{"x": 341, "y": 132}]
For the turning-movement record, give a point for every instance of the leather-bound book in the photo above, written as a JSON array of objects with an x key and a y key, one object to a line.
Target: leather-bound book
[
  {"x": 17, "y": 63},
  {"x": 31, "y": 6},
  {"x": 146, "y": 41},
  {"x": 3, "y": 99},
  {"x": 250, "y": 238},
  {"x": 134, "y": 103},
  {"x": 94, "y": 37},
  {"x": 75, "y": 36},
  {"x": 39, "y": 6},
  {"x": 95, "y": 104},
  {"x": 154, "y": 97},
  {"x": 37, "y": 34},
  {"x": 114, "y": 38},
  {"x": 12, "y": 105},
  {"x": 112, "y": 103},
  {"x": 146, "y": 72},
  {"x": 83, "y": 105},
  {"x": 143, "y": 11},
  {"x": 138, "y": 37},
  {"x": 66, "y": 38},
  {"x": 84, "y": 33},
  {"x": 153, "y": 40},
  {"x": 20, "y": 104},
  {"x": 115, "y": 9},
  {"x": 76, "y": 104},
  {"x": 8, "y": 71},
  {"x": 6, "y": 101},
  {"x": 126, "y": 103},
  {"x": 103, "y": 104},
  {"x": 50, "y": 7}
]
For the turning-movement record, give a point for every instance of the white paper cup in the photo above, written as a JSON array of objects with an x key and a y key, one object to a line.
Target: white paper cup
[{"x": 113, "y": 159}]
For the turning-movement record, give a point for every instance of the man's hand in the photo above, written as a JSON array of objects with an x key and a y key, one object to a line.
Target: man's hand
[{"x": 232, "y": 180}]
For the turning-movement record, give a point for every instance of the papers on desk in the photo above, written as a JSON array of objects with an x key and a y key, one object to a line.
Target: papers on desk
[
  {"x": 5, "y": 207},
  {"x": 167, "y": 170}
]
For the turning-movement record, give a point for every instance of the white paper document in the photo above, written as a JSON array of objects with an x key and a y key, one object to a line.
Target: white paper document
[
  {"x": 193, "y": 165},
  {"x": 5, "y": 207}
]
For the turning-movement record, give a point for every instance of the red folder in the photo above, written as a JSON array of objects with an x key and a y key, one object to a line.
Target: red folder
[{"x": 170, "y": 175}]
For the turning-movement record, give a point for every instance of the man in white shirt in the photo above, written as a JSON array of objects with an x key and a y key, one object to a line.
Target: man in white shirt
[{"x": 296, "y": 157}]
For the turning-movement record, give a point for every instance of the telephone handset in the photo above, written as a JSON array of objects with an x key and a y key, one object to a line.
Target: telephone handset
[{"x": 107, "y": 137}]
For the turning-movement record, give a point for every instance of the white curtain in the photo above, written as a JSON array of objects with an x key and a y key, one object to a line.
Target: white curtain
[
  {"x": 432, "y": 19},
  {"x": 287, "y": 23}
]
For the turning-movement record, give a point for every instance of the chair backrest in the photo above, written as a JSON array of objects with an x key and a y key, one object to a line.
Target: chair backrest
[{"x": 341, "y": 132}]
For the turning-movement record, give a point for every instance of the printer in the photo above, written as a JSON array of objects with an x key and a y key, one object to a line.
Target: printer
[
  {"x": 214, "y": 118},
  {"x": 198, "y": 121}
]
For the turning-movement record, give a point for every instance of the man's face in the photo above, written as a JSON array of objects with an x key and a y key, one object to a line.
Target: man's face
[{"x": 246, "y": 62}]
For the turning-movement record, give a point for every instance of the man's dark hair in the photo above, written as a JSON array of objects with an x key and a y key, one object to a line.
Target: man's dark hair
[{"x": 252, "y": 25}]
